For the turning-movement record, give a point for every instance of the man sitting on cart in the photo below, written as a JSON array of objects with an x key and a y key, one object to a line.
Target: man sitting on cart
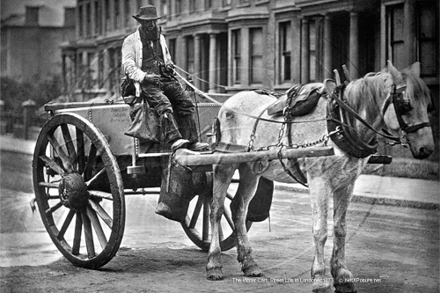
[{"x": 147, "y": 61}]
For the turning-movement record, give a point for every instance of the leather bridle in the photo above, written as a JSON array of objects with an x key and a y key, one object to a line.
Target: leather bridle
[{"x": 401, "y": 106}]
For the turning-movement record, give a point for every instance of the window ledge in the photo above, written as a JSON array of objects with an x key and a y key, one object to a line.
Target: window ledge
[
  {"x": 226, "y": 8},
  {"x": 243, "y": 5},
  {"x": 262, "y": 2}
]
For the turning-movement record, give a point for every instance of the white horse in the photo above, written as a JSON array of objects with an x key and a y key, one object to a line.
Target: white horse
[{"x": 390, "y": 99}]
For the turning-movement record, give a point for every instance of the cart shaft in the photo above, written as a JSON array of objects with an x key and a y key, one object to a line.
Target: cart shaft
[{"x": 189, "y": 158}]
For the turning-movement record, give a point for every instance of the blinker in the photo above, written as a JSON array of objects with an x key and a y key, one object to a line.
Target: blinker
[
  {"x": 403, "y": 105},
  {"x": 401, "y": 102}
]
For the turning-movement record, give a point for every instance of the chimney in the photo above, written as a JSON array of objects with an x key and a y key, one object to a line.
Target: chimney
[{"x": 31, "y": 18}]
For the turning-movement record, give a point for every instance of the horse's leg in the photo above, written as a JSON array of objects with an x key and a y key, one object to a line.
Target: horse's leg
[
  {"x": 245, "y": 192},
  {"x": 340, "y": 273},
  {"x": 319, "y": 192},
  {"x": 222, "y": 178}
]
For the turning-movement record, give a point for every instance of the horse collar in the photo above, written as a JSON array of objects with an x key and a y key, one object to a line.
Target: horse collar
[{"x": 340, "y": 124}]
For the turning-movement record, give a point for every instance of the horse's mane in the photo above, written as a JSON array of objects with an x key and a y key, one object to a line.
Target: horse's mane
[{"x": 364, "y": 94}]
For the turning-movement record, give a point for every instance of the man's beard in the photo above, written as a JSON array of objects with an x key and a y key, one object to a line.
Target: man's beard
[{"x": 150, "y": 34}]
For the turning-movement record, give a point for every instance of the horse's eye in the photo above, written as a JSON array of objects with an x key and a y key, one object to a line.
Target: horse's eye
[
  {"x": 229, "y": 115},
  {"x": 406, "y": 106}
]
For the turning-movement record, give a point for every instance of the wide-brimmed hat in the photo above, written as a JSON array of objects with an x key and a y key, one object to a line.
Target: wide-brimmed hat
[{"x": 147, "y": 13}]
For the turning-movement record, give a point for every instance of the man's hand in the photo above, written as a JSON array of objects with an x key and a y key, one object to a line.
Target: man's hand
[
  {"x": 170, "y": 69},
  {"x": 152, "y": 78}
]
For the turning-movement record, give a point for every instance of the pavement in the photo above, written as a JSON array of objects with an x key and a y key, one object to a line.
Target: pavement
[{"x": 373, "y": 189}]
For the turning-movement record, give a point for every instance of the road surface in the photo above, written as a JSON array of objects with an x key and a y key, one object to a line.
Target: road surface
[{"x": 389, "y": 249}]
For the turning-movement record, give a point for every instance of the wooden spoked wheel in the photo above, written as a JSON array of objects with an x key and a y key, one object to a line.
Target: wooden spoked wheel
[
  {"x": 197, "y": 225},
  {"x": 79, "y": 190}
]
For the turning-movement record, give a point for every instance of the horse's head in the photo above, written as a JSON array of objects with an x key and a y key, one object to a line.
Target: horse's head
[{"x": 407, "y": 110}]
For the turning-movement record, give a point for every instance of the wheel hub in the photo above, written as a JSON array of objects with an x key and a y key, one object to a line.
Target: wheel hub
[{"x": 73, "y": 191}]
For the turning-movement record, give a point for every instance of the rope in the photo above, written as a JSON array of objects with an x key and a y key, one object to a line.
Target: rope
[
  {"x": 198, "y": 78},
  {"x": 196, "y": 89},
  {"x": 242, "y": 113}
]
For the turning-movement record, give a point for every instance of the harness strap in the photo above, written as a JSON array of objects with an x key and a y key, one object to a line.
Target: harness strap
[
  {"x": 254, "y": 129},
  {"x": 299, "y": 175},
  {"x": 302, "y": 180},
  {"x": 347, "y": 108},
  {"x": 416, "y": 127},
  {"x": 352, "y": 137}
]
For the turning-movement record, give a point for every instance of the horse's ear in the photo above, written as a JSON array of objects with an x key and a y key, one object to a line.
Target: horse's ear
[
  {"x": 393, "y": 71},
  {"x": 415, "y": 68},
  {"x": 329, "y": 85}
]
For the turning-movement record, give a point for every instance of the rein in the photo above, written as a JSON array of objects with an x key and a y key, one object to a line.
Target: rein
[
  {"x": 241, "y": 113},
  {"x": 361, "y": 148}
]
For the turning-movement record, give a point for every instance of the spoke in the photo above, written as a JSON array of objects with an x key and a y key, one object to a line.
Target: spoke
[
  {"x": 88, "y": 235},
  {"x": 205, "y": 224},
  {"x": 228, "y": 218},
  {"x": 49, "y": 184},
  {"x": 228, "y": 195},
  {"x": 98, "y": 228},
  {"x": 102, "y": 213},
  {"x": 196, "y": 213},
  {"x": 69, "y": 143},
  {"x": 66, "y": 224},
  {"x": 52, "y": 164},
  {"x": 100, "y": 195},
  {"x": 54, "y": 208},
  {"x": 59, "y": 150},
  {"x": 77, "y": 237},
  {"x": 80, "y": 150},
  {"x": 90, "y": 162},
  {"x": 96, "y": 176}
]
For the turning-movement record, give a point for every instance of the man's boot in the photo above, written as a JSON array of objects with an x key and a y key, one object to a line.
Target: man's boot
[
  {"x": 188, "y": 130},
  {"x": 170, "y": 134}
]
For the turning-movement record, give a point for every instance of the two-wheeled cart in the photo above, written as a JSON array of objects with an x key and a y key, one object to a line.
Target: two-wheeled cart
[{"x": 84, "y": 166}]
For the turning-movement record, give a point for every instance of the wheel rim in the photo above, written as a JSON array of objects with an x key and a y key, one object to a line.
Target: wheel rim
[
  {"x": 79, "y": 190},
  {"x": 197, "y": 224}
]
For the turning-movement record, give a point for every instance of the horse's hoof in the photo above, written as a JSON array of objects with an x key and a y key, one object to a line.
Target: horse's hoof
[
  {"x": 214, "y": 275},
  {"x": 252, "y": 271},
  {"x": 321, "y": 287}
]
